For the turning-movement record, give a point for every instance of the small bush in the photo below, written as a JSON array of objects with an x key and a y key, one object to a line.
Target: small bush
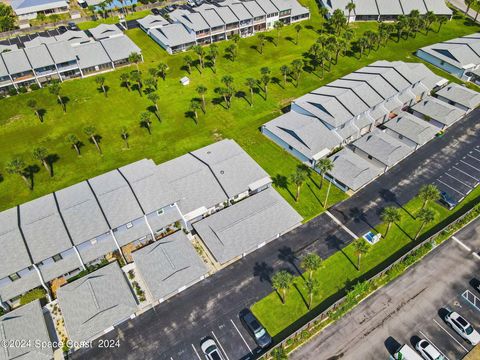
[
  {"x": 12, "y": 92},
  {"x": 22, "y": 89},
  {"x": 34, "y": 87},
  {"x": 131, "y": 275},
  {"x": 32, "y": 296}
]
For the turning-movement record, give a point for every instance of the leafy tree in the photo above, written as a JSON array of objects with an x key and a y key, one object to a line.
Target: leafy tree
[
  {"x": 430, "y": 19},
  {"x": 261, "y": 38},
  {"x": 280, "y": 353},
  {"x": 298, "y": 28},
  {"x": 41, "y": 154},
  {"x": 135, "y": 58},
  {"x": 194, "y": 107},
  {"x": 235, "y": 38},
  {"x": 310, "y": 263},
  {"x": 162, "y": 70},
  {"x": 188, "y": 62},
  {"x": 312, "y": 286},
  {"x": 202, "y": 90},
  {"x": 227, "y": 80},
  {"x": 285, "y": 70},
  {"x": 265, "y": 79},
  {"x": 200, "y": 53},
  {"x": 213, "y": 54},
  {"x": 426, "y": 216},
  {"x": 281, "y": 282},
  {"x": 390, "y": 214},
  {"x": 136, "y": 76},
  {"x": 298, "y": 178},
  {"x": 73, "y": 140},
  {"x": 251, "y": 83},
  {"x": 146, "y": 122},
  {"x": 7, "y": 17},
  {"x": 428, "y": 193},
  {"x": 32, "y": 104},
  {"x": 153, "y": 72},
  {"x": 151, "y": 83},
  {"x": 16, "y": 166},
  {"x": 297, "y": 68},
  {"x": 125, "y": 80},
  {"x": 55, "y": 89},
  {"x": 231, "y": 50},
  {"x": 100, "y": 80},
  {"x": 91, "y": 132},
  {"x": 153, "y": 97},
  {"x": 350, "y": 7},
  {"x": 278, "y": 25},
  {"x": 125, "y": 135},
  {"x": 361, "y": 248},
  {"x": 441, "y": 20}
]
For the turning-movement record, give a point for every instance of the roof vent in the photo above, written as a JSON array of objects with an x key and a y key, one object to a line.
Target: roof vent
[{"x": 222, "y": 172}]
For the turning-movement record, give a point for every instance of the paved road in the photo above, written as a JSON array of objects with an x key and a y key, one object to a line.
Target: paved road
[
  {"x": 409, "y": 308},
  {"x": 361, "y": 212}
]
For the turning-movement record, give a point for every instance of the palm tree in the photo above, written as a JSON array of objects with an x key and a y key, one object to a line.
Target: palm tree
[
  {"x": 136, "y": 76},
  {"x": 91, "y": 132},
  {"x": 194, "y": 106},
  {"x": 390, "y": 214},
  {"x": 281, "y": 282},
  {"x": 428, "y": 192},
  {"x": 227, "y": 80},
  {"x": 360, "y": 248},
  {"x": 265, "y": 79},
  {"x": 311, "y": 262},
  {"x": 323, "y": 166},
  {"x": 162, "y": 70},
  {"x": 151, "y": 83},
  {"x": 202, "y": 90},
  {"x": 477, "y": 8},
  {"x": 298, "y": 178},
  {"x": 429, "y": 20},
  {"x": 312, "y": 286},
  {"x": 188, "y": 62},
  {"x": 231, "y": 51},
  {"x": 297, "y": 68},
  {"x": 73, "y": 140},
  {"x": 235, "y": 38},
  {"x": 298, "y": 28},
  {"x": 125, "y": 80},
  {"x": 125, "y": 135},
  {"x": 16, "y": 166},
  {"x": 153, "y": 97},
  {"x": 468, "y": 3},
  {"x": 262, "y": 39},
  {"x": 441, "y": 21},
  {"x": 135, "y": 58},
  {"x": 146, "y": 122},
  {"x": 55, "y": 89},
  {"x": 100, "y": 80},
  {"x": 285, "y": 70},
  {"x": 426, "y": 216},
  {"x": 362, "y": 44},
  {"x": 278, "y": 25},
  {"x": 32, "y": 104},
  {"x": 213, "y": 54},
  {"x": 251, "y": 83},
  {"x": 279, "y": 353},
  {"x": 200, "y": 53},
  {"x": 41, "y": 154},
  {"x": 153, "y": 72},
  {"x": 350, "y": 7}
]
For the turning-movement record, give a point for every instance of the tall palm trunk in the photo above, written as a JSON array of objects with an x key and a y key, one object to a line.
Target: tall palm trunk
[
  {"x": 96, "y": 144},
  {"x": 77, "y": 149},
  {"x": 47, "y": 166},
  {"x": 419, "y": 230}
]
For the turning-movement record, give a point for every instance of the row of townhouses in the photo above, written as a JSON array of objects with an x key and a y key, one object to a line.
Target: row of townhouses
[
  {"x": 218, "y": 21},
  {"x": 71, "y": 54}
]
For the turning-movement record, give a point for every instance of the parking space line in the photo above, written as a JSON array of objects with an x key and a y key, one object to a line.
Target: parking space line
[
  {"x": 199, "y": 358},
  {"x": 473, "y": 157},
  {"x": 461, "y": 243},
  {"x": 431, "y": 342},
  {"x": 441, "y": 327},
  {"x": 472, "y": 299},
  {"x": 466, "y": 163},
  {"x": 454, "y": 178},
  {"x": 239, "y": 333},
  {"x": 451, "y": 187},
  {"x": 465, "y": 173},
  {"x": 219, "y": 344}
]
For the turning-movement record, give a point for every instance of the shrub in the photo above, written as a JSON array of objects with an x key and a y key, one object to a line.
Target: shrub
[
  {"x": 131, "y": 275},
  {"x": 22, "y": 89},
  {"x": 12, "y": 92},
  {"x": 32, "y": 296},
  {"x": 34, "y": 86}
]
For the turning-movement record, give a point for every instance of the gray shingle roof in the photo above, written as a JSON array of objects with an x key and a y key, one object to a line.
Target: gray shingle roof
[
  {"x": 16, "y": 61},
  {"x": 120, "y": 47},
  {"x": 91, "y": 54},
  {"x": 361, "y": 89},
  {"x": 115, "y": 198},
  {"x": 226, "y": 14},
  {"x": 383, "y": 147},
  {"x": 96, "y": 302},
  {"x": 104, "y": 31},
  {"x": 25, "y": 323},
  {"x": 138, "y": 230},
  {"x": 254, "y": 9},
  {"x": 43, "y": 228},
  {"x": 12, "y": 244},
  {"x": 458, "y": 55},
  {"x": 439, "y": 110},
  {"x": 211, "y": 16},
  {"x": 152, "y": 21},
  {"x": 39, "y": 40},
  {"x": 390, "y": 7},
  {"x": 169, "y": 264},
  {"x": 438, "y": 7},
  {"x": 103, "y": 245},
  {"x": 409, "y": 5},
  {"x": 191, "y": 20},
  {"x": 68, "y": 263},
  {"x": 161, "y": 220},
  {"x": 28, "y": 281},
  {"x": 240, "y": 11},
  {"x": 3, "y": 68},
  {"x": 347, "y": 98},
  {"x": 366, "y": 7},
  {"x": 39, "y": 57},
  {"x": 173, "y": 35},
  {"x": 413, "y": 128},
  {"x": 460, "y": 95},
  {"x": 61, "y": 52},
  {"x": 267, "y": 6},
  {"x": 353, "y": 170},
  {"x": 242, "y": 227},
  {"x": 74, "y": 37},
  {"x": 30, "y": 6},
  {"x": 232, "y": 166}
]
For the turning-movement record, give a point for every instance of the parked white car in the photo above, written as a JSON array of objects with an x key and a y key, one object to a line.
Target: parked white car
[
  {"x": 462, "y": 327},
  {"x": 428, "y": 351},
  {"x": 211, "y": 350}
]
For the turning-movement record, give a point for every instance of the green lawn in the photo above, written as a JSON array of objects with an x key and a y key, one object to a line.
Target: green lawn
[
  {"x": 339, "y": 270},
  {"x": 174, "y": 133},
  {"x": 113, "y": 19}
]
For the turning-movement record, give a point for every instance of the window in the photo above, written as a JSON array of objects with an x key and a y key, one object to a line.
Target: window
[
  {"x": 57, "y": 257},
  {"x": 290, "y": 147},
  {"x": 129, "y": 225},
  {"x": 14, "y": 277},
  {"x": 400, "y": 137},
  {"x": 370, "y": 157},
  {"x": 160, "y": 212},
  {"x": 93, "y": 241}
]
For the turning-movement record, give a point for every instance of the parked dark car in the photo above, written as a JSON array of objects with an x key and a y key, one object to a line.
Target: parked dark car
[
  {"x": 256, "y": 330},
  {"x": 155, "y": 11},
  {"x": 170, "y": 8},
  {"x": 447, "y": 200},
  {"x": 62, "y": 28},
  {"x": 72, "y": 26}
]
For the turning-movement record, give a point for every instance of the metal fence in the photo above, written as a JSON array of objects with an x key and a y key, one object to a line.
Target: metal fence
[{"x": 324, "y": 314}]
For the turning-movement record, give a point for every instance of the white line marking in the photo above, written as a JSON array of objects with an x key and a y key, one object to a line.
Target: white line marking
[
  {"x": 466, "y": 163},
  {"x": 441, "y": 327},
  {"x": 431, "y": 342},
  {"x": 239, "y": 333},
  {"x": 199, "y": 358},
  {"x": 473, "y": 157},
  {"x": 454, "y": 178},
  {"x": 476, "y": 150},
  {"x": 465, "y": 173},
  {"x": 219, "y": 344},
  {"x": 476, "y": 255},
  {"x": 461, "y": 243},
  {"x": 171, "y": 358},
  {"x": 351, "y": 233},
  {"x": 451, "y": 187}
]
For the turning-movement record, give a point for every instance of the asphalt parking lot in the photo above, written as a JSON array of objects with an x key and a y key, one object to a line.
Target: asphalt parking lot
[
  {"x": 411, "y": 307},
  {"x": 462, "y": 176}
]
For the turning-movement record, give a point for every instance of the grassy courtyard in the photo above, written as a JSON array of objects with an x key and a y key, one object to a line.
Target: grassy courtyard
[
  {"x": 340, "y": 272},
  {"x": 174, "y": 132}
]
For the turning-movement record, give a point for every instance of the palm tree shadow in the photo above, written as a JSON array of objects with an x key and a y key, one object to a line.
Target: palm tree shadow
[
  {"x": 389, "y": 197},
  {"x": 51, "y": 159},
  {"x": 263, "y": 271},
  {"x": 301, "y": 294},
  {"x": 286, "y": 254},
  {"x": 404, "y": 232},
  {"x": 41, "y": 114},
  {"x": 30, "y": 172},
  {"x": 359, "y": 216},
  {"x": 281, "y": 181},
  {"x": 315, "y": 195}
]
